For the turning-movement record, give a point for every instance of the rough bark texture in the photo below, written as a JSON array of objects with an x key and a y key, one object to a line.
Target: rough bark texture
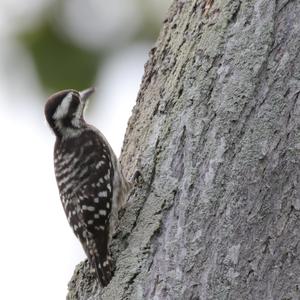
[{"x": 215, "y": 132}]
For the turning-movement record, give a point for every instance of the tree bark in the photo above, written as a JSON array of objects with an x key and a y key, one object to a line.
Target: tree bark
[{"x": 215, "y": 133}]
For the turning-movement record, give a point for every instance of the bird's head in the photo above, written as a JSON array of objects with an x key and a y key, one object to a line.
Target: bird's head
[{"x": 64, "y": 112}]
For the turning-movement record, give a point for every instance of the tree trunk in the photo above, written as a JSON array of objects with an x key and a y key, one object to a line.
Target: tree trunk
[{"x": 215, "y": 133}]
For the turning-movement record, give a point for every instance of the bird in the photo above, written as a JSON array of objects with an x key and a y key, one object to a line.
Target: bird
[{"x": 89, "y": 177}]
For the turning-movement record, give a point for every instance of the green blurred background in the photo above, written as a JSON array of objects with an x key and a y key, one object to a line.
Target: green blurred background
[{"x": 69, "y": 40}]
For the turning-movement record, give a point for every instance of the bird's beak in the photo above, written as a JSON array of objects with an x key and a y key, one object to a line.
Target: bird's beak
[{"x": 85, "y": 94}]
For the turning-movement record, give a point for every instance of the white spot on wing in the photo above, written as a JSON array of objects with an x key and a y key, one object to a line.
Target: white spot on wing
[
  {"x": 102, "y": 194},
  {"x": 105, "y": 263},
  {"x": 106, "y": 177},
  {"x": 102, "y": 212},
  {"x": 99, "y": 164},
  {"x": 90, "y": 208},
  {"x": 100, "y": 227}
]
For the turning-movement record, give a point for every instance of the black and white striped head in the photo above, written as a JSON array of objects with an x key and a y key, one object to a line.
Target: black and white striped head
[{"x": 64, "y": 112}]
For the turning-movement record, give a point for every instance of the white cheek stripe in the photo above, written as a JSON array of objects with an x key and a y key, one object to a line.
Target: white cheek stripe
[
  {"x": 79, "y": 110},
  {"x": 63, "y": 108},
  {"x": 79, "y": 113}
]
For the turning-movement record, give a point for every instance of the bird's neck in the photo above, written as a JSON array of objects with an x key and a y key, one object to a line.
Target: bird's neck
[{"x": 68, "y": 128}]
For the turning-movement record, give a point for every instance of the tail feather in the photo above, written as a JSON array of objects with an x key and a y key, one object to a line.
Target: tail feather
[{"x": 103, "y": 267}]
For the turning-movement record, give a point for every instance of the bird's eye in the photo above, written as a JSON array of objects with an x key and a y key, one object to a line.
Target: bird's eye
[{"x": 75, "y": 98}]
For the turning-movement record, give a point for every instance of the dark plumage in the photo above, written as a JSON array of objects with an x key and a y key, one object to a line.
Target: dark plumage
[{"x": 91, "y": 185}]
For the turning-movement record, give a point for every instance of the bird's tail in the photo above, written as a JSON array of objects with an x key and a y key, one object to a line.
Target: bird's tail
[
  {"x": 103, "y": 267},
  {"x": 100, "y": 259}
]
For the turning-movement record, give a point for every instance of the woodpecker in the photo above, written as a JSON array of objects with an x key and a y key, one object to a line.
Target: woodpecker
[{"x": 91, "y": 185}]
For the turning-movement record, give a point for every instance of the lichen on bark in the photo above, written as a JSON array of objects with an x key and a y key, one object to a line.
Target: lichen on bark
[{"x": 215, "y": 133}]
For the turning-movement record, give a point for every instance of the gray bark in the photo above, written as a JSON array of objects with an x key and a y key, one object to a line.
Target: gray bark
[{"x": 215, "y": 133}]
